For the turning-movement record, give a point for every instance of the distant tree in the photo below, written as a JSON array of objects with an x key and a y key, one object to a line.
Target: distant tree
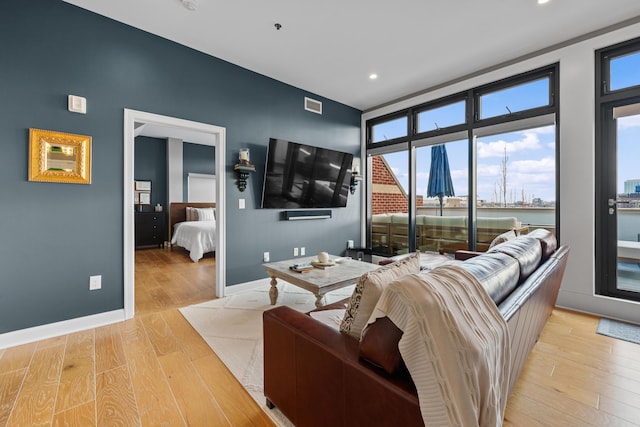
[{"x": 502, "y": 183}]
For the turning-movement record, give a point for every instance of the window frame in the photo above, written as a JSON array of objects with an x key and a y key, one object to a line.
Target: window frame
[
  {"x": 438, "y": 103},
  {"x": 388, "y": 118},
  {"x": 603, "y": 69},
  {"x": 472, "y": 122},
  {"x": 605, "y": 101}
]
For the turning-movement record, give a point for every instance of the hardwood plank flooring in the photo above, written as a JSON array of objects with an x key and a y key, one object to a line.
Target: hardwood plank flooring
[{"x": 155, "y": 370}]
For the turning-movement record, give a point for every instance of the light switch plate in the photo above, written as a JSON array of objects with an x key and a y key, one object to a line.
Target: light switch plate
[
  {"x": 95, "y": 282},
  {"x": 240, "y": 203}
]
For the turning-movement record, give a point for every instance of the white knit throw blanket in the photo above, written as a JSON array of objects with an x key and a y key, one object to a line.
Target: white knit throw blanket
[{"x": 455, "y": 345}]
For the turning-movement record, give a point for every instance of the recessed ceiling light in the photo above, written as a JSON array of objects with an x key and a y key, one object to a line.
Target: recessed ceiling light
[
  {"x": 543, "y": 1},
  {"x": 373, "y": 76}
]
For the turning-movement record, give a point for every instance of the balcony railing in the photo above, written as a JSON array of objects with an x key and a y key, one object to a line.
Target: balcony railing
[{"x": 448, "y": 233}]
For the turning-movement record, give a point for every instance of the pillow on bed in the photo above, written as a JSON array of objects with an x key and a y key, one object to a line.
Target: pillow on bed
[
  {"x": 190, "y": 214},
  {"x": 205, "y": 214}
]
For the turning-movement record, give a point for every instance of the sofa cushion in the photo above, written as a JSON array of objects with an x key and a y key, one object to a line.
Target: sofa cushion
[
  {"x": 443, "y": 221},
  {"x": 381, "y": 218},
  {"x": 503, "y": 223},
  {"x": 504, "y": 237},
  {"x": 547, "y": 241},
  {"x": 400, "y": 218},
  {"x": 379, "y": 345},
  {"x": 497, "y": 272},
  {"x": 368, "y": 290},
  {"x": 526, "y": 250}
]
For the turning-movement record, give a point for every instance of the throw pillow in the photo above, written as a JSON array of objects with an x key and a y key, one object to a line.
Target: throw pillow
[
  {"x": 504, "y": 237},
  {"x": 368, "y": 290},
  {"x": 190, "y": 214},
  {"x": 205, "y": 214}
]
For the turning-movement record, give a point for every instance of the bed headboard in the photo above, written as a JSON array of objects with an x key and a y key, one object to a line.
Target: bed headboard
[{"x": 178, "y": 212}]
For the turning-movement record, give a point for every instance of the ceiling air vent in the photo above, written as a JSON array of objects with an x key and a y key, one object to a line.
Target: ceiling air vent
[{"x": 312, "y": 105}]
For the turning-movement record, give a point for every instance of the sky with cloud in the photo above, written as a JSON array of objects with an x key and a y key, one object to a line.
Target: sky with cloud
[
  {"x": 530, "y": 165},
  {"x": 628, "y": 149}
]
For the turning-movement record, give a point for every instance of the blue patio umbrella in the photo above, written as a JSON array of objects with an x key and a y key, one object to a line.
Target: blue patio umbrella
[{"x": 440, "y": 183}]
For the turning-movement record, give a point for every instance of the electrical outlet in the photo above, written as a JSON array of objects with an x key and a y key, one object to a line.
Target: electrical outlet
[
  {"x": 295, "y": 251},
  {"x": 265, "y": 257},
  {"x": 95, "y": 282},
  {"x": 240, "y": 203},
  {"x": 349, "y": 244},
  {"x": 302, "y": 251}
]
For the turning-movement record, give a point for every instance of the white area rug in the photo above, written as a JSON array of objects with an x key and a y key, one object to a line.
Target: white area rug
[{"x": 232, "y": 326}]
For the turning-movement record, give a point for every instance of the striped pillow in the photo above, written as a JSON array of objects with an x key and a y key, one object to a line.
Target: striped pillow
[
  {"x": 205, "y": 214},
  {"x": 191, "y": 214},
  {"x": 368, "y": 290}
]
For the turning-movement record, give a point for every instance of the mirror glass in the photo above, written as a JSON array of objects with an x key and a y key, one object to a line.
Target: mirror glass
[{"x": 61, "y": 158}]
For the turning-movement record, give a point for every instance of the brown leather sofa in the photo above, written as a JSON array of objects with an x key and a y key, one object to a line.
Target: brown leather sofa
[{"x": 318, "y": 376}]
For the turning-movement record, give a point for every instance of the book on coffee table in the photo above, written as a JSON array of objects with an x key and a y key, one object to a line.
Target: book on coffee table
[
  {"x": 322, "y": 265},
  {"x": 301, "y": 268}
]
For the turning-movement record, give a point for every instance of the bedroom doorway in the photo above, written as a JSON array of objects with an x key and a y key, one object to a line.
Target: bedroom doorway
[{"x": 213, "y": 135}]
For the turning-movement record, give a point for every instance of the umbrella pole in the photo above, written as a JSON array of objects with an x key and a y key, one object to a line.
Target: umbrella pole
[{"x": 440, "y": 205}]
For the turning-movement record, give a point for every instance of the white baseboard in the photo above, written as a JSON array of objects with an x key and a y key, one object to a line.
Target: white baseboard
[{"x": 37, "y": 333}]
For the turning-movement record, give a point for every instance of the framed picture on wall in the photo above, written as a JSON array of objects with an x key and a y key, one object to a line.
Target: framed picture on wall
[
  {"x": 145, "y": 198},
  {"x": 59, "y": 157},
  {"x": 142, "y": 186}
]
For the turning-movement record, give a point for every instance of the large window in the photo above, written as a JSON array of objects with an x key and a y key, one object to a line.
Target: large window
[
  {"x": 516, "y": 181},
  {"x": 390, "y": 203},
  {"x": 500, "y": 145},
  {"x": 442, "y": 208}
]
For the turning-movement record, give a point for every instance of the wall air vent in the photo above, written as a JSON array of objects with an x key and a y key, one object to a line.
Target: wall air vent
[{"x": 312, "y": 105}]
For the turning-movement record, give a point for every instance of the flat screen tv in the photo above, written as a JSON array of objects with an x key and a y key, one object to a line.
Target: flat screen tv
[{"x": 303, "y": 176}]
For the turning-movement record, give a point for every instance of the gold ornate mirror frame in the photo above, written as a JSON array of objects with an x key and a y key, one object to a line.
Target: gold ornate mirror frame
[{"x": 59, "y": 157}]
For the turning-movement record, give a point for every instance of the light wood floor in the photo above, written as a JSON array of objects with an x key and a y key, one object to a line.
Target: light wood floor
[{"x": 155, "y": 370}]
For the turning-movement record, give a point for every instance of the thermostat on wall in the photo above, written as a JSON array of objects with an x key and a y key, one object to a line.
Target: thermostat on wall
[{"x": 77, "y": 104}]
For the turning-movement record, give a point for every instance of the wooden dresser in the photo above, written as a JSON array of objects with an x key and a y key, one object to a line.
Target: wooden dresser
[{"x": 150, "y": 229}]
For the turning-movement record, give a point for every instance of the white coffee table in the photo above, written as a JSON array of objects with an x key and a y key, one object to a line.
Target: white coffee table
[{"x": 317, "y": 281}]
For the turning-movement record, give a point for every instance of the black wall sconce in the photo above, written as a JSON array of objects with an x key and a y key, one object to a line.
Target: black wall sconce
[
  {"x": 355, "y": 178},
  {"x": 243, "y": 169},
  {"x": 354, "y": 183}
]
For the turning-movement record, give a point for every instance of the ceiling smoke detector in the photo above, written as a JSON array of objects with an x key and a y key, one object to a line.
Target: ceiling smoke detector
[{"x": 190, "y": 4}]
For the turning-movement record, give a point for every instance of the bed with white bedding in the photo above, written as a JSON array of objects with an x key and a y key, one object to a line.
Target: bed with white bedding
[{"x": 193, "y": 227}]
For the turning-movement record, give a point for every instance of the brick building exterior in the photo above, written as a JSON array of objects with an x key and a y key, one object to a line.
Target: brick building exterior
[{"x": 387, "y": 195}]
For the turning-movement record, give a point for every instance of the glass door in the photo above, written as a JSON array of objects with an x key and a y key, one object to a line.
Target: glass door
[{"x": 618, "y": 237}]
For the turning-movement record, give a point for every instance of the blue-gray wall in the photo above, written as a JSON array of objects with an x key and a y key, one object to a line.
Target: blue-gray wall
[
  {"x": 150, "y": 164},
  {"x": 54, "y": 236},
  {"x": 196, "y": 158}
]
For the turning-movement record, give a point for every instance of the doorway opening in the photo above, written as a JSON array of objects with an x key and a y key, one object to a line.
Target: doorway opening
[{"x": 216, "y": 136}]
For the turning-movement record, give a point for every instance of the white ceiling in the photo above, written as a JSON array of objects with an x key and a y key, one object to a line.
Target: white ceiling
[{"x": 330, "y": 47}]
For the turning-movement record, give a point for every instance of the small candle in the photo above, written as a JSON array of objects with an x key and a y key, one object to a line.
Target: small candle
[
  {"x": 356, "y": 169},
  {"x": 244, "y": 155}
]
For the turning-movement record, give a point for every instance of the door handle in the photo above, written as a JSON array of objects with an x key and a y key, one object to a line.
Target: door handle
[{"x": 612, "y": 202}]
